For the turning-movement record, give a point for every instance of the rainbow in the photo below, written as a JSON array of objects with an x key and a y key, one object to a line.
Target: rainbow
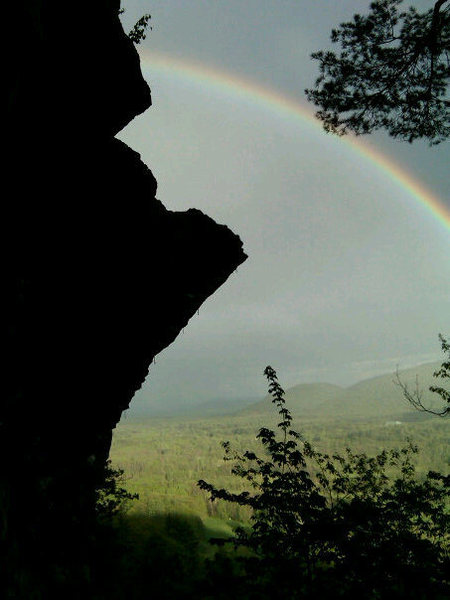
[{"x": 281, "y": 104}]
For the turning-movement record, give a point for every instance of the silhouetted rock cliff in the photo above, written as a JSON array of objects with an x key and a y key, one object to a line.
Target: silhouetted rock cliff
[{"x": 99, "y": 277}]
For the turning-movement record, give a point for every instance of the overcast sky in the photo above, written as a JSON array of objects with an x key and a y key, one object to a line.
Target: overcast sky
[{"x": 347, "y": 275}]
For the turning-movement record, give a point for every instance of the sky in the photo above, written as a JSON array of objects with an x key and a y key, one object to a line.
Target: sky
[{"x": 348, "y": 270}]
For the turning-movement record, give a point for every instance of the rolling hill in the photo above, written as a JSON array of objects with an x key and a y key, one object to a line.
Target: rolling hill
[
  {"x": 377, "y": 397},
  {"x": 305, "y": 398}
]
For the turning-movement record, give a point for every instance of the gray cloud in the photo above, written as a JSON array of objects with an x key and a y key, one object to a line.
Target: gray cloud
[{"x": 347, "y": 273}]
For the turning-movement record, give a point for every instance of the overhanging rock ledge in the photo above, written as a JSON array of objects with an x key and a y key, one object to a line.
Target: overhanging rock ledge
[{"x": 99, "y": 277}]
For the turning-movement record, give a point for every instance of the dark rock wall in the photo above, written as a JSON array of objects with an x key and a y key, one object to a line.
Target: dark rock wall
[{"x": 98, "y": 278}]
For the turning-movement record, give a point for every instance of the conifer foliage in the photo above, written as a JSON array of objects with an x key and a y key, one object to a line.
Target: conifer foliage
[{"x": 392, "y": 73}]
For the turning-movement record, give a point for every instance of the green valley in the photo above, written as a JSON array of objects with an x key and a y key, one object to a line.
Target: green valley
[{"x": 163, "y": 458}]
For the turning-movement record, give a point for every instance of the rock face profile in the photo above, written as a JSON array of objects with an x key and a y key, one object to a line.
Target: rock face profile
[{"x": 98, "y": 278}]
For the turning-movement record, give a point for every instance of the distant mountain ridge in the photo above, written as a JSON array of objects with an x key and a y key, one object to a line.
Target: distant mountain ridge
[
  {"x": 215, "y": 407},
  {"x": 371, "y": 398},
  {"x": 375, "y": 397},
  {"x": 303, "y": 398}
]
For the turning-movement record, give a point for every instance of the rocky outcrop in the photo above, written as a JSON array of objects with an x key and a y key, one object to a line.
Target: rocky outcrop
[{"x": 99, "y": 278}]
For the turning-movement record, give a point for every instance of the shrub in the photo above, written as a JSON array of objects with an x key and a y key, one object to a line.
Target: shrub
[{"x": 341, "y": 525}]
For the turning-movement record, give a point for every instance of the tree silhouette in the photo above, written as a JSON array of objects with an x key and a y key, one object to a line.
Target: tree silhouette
[
  {"x": 392, "y": 73},
  {"x": 342, "y": 525},
  {"x": 415, "y": 396},
  {"x": 111, "y": 498}
]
